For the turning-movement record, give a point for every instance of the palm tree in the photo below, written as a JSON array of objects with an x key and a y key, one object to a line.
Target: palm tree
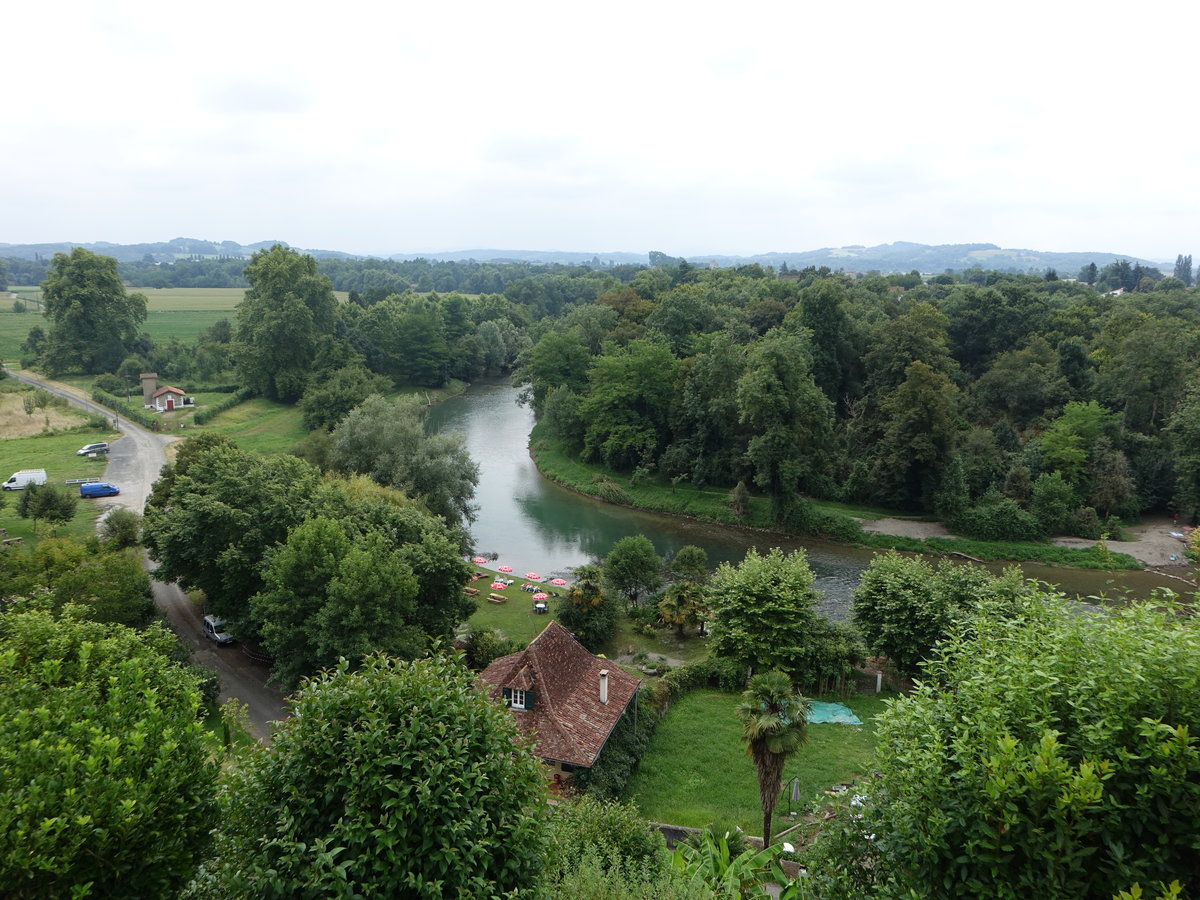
[
  {"x": 774, "y": 726},
  {"x": 587, "y": 589}
]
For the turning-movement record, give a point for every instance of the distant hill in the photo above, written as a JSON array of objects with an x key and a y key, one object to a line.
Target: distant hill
[{"x": 901, "y": 256}]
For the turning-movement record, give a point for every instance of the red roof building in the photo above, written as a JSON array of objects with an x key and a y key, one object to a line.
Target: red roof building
[{"x": 564, "y": 698}]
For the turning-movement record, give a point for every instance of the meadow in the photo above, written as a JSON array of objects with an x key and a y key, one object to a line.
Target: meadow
[{"x": 696, "y": 770}]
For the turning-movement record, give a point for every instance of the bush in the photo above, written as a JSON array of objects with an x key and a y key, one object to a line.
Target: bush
[
  {"x": 609, "y": 491},
  {"x": 1054, "y": 722},
  {"x": 138, "y": 415},
  {"x": 611, "y": 771},
  {"x": 121, "y": 528},
  {"x": 1087, "y": 524},
  {"x": 487, "y": 644},
  {"x": 608, "y": 829},
  {"x": 997, "y": 518},
  {"x": 109, "y": 383}
]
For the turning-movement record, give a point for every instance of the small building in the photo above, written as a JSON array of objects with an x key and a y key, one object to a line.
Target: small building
[
  {"x": 167, "y": 398},
  {"x": 564, "y": 698}
]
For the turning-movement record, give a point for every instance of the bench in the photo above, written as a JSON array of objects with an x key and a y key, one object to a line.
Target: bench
[
  {"x": 470, "y": 591},
  {"x": 496, "y": 598},
  {"x": 16, "y": 540}
]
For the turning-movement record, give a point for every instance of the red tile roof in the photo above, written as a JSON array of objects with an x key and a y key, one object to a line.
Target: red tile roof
[
  {"x": 167, "y": 389},
  {"x": 568, "y": 722}
]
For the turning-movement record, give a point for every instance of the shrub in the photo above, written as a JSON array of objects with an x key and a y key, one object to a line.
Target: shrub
[
  {"x": 997, "y": 518},
  {"x": 121, "y": 528},
  {"x": 609, "y": 491},
  {"x": 108, "y": 382},
  {"x": 206, "y": 415},
  {"x": 140, "y": 416}
]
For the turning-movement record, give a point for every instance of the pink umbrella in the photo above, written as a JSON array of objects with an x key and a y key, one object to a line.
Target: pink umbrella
[
  {"x": 558, "y": 582},
  {"x": 541, "y": 596},
  {"x": 478, "y": 560},
  {"x": 504, "y": 568},
  {"x": 498, "y": 585},
  {"x": 533, "y": 576}
]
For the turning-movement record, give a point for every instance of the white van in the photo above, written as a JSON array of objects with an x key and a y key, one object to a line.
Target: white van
[
  {"x": 24, "y": 478},
  {"x": 214, "y": 630}
]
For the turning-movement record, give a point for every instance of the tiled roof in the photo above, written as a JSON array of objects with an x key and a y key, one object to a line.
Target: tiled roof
[
  {"x": 568, "y": 721},
  {"x": 167, "y": 389}
]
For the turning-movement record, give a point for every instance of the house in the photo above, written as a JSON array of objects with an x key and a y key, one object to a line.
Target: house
[
  {"x": 167, "y": 398},
  {"x": 564, "y": 698}
]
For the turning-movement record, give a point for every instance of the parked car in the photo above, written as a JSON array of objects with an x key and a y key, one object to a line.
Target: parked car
[
  {"x": 24, "y": 478},
  {"x": 89, "y": 449},
  {"x": 214, "y": 630},
  {"x": 98, "y": 489}
]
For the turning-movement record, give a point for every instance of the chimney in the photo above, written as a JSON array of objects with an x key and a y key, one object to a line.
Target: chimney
[
  {"x": 604, "y": 686},
  {"x": 149, "y": 382}
]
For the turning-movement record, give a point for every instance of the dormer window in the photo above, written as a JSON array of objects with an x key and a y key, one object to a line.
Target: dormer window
[{"x": 517, "y": 699}]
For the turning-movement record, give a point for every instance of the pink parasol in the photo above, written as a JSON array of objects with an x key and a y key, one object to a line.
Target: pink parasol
[
  {"x": 478, "y": 560},
  {"x": 541, "y": 596},
  {"x": 498, "y": 585},
  {"x": 533, "y": 576},
  {"x": 558, "y": 582},
  {"x": 504, "y": 568}
]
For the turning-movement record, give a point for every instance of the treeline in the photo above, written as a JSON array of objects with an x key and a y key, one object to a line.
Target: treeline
[{"x": 1016, "y": 408}]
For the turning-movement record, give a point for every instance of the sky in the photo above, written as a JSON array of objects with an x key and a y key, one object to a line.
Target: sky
[{"x": 690, "y": 128}]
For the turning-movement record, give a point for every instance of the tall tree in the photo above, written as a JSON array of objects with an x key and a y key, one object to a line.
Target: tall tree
[
  {"x": 789, "y": 417},
  {"x": 287, "y": 311},
  {"x": 764, "y": 609},
  {"x": 93, "y": 321},
  {"x": 774, "y": 726},
  {"x": 586, "y": 610},
  {"x": 919, "y": 436},
  {"x": 633, "y": 568},
  {"x": 1183, "y": 269},
  {"x": 330, "y": 596},
  {"x": 386, "y": 440}
]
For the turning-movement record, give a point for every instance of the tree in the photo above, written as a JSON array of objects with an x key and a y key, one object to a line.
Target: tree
[
  {"x": 789, "y": 417},
  {"x": 690, "y": 563},
  {"x": 1047, "y": 753},
  {"x": 106, "y": 768},
  {"x": 1184, "y": 431},
  {"x": 628, "y": 405},
  {"x": 632, "y": 568},
  {"x": 586, "y": 611},
  {"x": 684, "y": 604},
  {"x": 919, "y": 437},
  {"x": 1183, "y": 269},
  {"x": 400, "y": 779},
  {"x": 93, "y": 321},
  {"x": 763, "y": 609},
  {"x": 329, "y": 596},
  {"x": 386, "y": 440},
  {"x": 774, "y": 726},
  {"x": 280, "y": 323},
  {"x": 903, "y": 605},
  {"x": 219, "y": 519},
  {"x": 328, "y": 400},
  {"x": 47, "y": 503}
]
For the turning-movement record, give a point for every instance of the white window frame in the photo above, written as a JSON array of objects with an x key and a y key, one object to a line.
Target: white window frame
[{"x": 517, "y": 698}]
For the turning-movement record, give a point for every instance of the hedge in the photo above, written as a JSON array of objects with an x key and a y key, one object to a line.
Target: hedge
[{"x": 132, "y": 413}]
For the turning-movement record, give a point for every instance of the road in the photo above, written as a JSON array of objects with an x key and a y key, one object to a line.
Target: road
[{"x": 134, "y": 463}]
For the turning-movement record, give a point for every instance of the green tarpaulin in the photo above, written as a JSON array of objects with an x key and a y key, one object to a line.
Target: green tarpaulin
[{"x": 823, "y": 713}]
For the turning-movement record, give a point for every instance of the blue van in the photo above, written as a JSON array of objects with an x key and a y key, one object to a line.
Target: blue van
[{"x": 98, "y": 489}]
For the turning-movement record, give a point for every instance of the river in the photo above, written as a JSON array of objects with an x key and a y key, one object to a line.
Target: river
[{"x": 535, "y": 525}]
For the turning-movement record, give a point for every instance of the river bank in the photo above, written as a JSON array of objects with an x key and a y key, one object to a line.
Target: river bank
[{"x": 1151, "y": 545}]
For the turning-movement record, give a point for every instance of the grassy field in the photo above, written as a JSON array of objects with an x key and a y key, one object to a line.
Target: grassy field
[
  {"x": 696, "y": 770},
  {"x": 56, "y": 454},
  {"x": 259, "y": 425}
]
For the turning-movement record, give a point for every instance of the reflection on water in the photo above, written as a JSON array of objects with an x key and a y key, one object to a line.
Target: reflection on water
[{"x": 536, "y": 525}]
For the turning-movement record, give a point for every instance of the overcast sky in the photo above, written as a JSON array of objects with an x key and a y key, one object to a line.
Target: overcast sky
[{"x": 683, "y": 127}]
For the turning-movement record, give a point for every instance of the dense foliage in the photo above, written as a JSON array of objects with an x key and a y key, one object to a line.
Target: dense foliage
[
  {"x": 398, "y": 780},
  {"x": 107, "y": 775},
  {"x": 764, "y": 617},
  {"x": 1052, "y": 753},
  {"x": 235, "y": 525}
]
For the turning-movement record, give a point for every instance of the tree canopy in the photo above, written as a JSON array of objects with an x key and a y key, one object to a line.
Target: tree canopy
[
  {"x": 108, "y": 775},
  {"x": 400, "y": 779},
  {"x": 93, "y": 321}
]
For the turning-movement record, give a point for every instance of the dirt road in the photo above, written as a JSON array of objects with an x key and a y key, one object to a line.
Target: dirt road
[{"x": 134, "y": 463}]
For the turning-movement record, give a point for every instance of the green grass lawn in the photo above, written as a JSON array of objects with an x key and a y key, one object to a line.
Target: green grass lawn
[
  {"x": 259, "y": 425},
  {"x": 56, "y": 454},
  {"x": 696, "y": 770}
]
